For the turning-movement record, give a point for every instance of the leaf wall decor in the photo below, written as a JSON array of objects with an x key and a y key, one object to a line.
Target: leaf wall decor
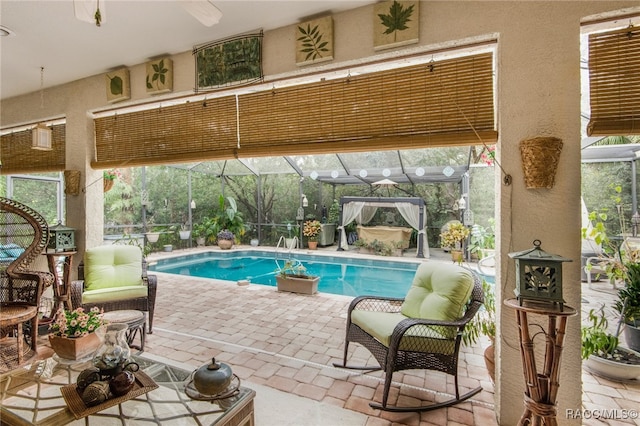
[
  {"x": 314, "y": 41},
  {"x": 159, "y": 76},
  {"x": 395, "y": 23},
  {"x": 117, "y": 85}
]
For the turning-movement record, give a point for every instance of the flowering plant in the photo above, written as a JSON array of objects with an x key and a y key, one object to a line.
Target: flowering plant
[
  {"x": 311, "y": 229},
  {"x": 111, "y": 174},
  {"x": 76, "y": 323},
  {"x": 225, "y": 234},
  {"x": 455, "y": 234},
  {"x": 488, "y": 155}
]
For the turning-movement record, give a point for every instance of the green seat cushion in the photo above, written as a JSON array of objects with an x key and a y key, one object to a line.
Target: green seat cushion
[
  {"x": 380, "y": 325},
  {"x": 102, "y": 295},
  {"x": 112, "y": 266},
  {"x": 439, "y": 291}
]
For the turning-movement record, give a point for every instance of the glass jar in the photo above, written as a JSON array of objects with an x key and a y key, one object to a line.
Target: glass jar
[{"x": 112, "y": 355}]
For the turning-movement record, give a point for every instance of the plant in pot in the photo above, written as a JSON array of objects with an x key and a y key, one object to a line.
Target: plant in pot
[
  {"x": 484, "y": 323},
  {"x": 199, "y": 232},
  {"x": 628, "y": 305},
  {"x": 225, "y": 239},
  {"x": 453, "y": 237},
  {"x": 311, "y": 230},
  {"x": 72, "y": 335},
  {"x": 229, "y": 218},
  {"x": 602, "y": 353},
  {"x": 293, "y": 277}
]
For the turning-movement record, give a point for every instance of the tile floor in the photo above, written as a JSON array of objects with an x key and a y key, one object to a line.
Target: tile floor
[{"x": 288, "y": 342}]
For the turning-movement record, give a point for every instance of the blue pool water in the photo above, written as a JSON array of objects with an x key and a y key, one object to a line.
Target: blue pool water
[{"x": 338, "y": 275}]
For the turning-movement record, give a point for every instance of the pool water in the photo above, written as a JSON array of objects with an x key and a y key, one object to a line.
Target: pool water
[{"x": 338, "y": 275}]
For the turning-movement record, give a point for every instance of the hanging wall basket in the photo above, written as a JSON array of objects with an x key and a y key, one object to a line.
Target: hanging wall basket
[
  {"x": 540, "y": 157},
  {"x": 107, "y": 184}
]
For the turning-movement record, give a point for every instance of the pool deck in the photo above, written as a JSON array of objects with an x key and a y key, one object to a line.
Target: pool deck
[{"x": 283, "y": 345}]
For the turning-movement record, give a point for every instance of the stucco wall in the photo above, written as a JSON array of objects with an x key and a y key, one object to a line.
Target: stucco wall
[{"x": 538, "y": 94}]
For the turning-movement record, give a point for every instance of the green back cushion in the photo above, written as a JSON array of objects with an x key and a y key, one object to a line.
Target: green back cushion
[
  {"x": 112, "y": 266},
  {"x": 440, "y": 291}
]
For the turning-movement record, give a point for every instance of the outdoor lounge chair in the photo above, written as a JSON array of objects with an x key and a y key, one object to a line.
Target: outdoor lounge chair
[
  {"x": 115, "y": 278},
  {"x": 24, "y": 234},
  {"x": 421, "y": 331}
]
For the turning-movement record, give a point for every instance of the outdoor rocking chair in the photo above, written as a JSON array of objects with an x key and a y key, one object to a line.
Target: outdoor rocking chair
[{"x": 421, "y": 331}]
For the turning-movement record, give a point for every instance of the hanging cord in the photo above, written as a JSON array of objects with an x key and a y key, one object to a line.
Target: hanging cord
[
  {"x": 507, "y": 179},
  {"x": 41, "y": 87}
]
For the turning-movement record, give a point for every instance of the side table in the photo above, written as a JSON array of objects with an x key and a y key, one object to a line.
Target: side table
[
  {"x": 541, "y": 388},
  {"x": 137, "y": 322},
  {"x": 61, "y": 285}
]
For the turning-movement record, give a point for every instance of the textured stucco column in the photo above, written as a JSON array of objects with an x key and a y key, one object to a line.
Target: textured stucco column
[{"x": 538, "y": 95}]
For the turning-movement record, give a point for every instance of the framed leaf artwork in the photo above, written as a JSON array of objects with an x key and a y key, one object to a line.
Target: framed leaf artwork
[
  {"x": 395, "y": 23},
  {"x": 233, "y": 61},
  {"x": 159, "y": 76},
  {"x": 314, "y": 41},
  {"x": 118, "y": 87}
]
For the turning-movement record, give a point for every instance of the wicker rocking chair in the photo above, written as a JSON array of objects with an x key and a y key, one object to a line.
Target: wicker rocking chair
[
  {"x": 24, "y": 235},
  {"x": 421, "y": 331}
]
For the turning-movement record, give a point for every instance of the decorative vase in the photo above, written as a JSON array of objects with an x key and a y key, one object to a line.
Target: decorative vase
[
  {"x": 632, "y": 336},
  {"x": 114, "y": 351},
  {"x": 107, "y": 184},
  {"x": 225, "y": 244},
  {"x": 75, "y": 348},
  {"x": 297, "y": 285},
  {"x": 313, "y": 245}
]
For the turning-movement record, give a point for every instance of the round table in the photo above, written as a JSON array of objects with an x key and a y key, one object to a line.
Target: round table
[{"x": 137, "y": 322}]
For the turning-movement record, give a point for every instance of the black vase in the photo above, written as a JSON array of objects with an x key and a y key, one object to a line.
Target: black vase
[{"x": 632, "y": 336}]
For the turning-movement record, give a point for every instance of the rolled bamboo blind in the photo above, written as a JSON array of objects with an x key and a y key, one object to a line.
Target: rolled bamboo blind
[
  {"x": 448, "y": 102},
  {"x": 18, "y": 157},
  {"x": 614, "y": 78}
]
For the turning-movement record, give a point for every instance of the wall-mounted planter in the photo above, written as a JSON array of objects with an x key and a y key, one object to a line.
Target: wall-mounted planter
[
  {"x": 185, "y": 235},
  {"x": 152, "y": 237}
]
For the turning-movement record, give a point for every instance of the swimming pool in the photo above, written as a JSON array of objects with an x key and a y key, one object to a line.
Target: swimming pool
[{"x": 338, "y": 275}]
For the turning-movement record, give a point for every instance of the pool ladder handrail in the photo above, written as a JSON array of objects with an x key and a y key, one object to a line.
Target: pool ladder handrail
[
  {"x": 283, "y": 240},
  {"x": 485, "y": 260}
]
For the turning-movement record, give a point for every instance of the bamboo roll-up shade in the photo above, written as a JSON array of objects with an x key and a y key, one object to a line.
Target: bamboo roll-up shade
[
  {"x": 420, "y": 105},
  {"x": 437, "y": 104},
  {"x": 187, "y": 132},
  {"x": 614, "y": 78},
  {"x": 17, "y": 156}
]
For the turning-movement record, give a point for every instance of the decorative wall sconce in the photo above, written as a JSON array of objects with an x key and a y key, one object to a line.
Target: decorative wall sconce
[
  {"x": 41, "y": 138},
  {"x": 540, "y": 158},
  {"x": 72, "y": 182}
]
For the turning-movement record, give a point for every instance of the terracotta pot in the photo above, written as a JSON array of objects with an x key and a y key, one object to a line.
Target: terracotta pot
[
  {"x": 456, "y": 256},
  {"x": 75, "y": 348},
  {"x": 313, "y": 245},
  {"x": 490, "y": 362},
  {"x": 225, "y": 244},
  {"x": 107, "y": 184}
]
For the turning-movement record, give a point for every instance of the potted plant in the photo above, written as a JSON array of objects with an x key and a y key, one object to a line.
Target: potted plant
[
  {"x": 72, "y": 335},
  {"x": 484, "y": 323},
  {"x": 293, "y": 277},
  {"x": 229, "y": 218},
  {"x": 602, "y": 352},
  {"x": 225, "y": 239},
  {"x": 311, "y": 230},
  {"x": 453, "y": 237},
  {"x": 185, "y": 232},
  {"x": 199, "y": 233},
  {"x": 628, "y": 305}
]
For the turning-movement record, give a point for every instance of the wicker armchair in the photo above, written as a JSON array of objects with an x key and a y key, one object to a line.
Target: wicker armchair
[
  {"x": 24, "y": 235},
  {"x": 421, "y": 331},
  {"x": 115, "y": 278}
]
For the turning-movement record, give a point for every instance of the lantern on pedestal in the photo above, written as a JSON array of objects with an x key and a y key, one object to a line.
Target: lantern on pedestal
[
  {"x": 61, "y": 238},
  {"x": 538, "y": 275}
]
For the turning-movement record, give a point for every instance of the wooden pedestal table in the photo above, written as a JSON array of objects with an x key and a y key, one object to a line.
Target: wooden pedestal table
[
  {"x": 541, "y": 388},
  {"x": 61, "y": 286}
]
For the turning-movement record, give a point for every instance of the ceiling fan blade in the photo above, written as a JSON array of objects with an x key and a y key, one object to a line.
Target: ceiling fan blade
[
  {"x": 203, "y": 10},
  {"x": 85, "y": 10}
]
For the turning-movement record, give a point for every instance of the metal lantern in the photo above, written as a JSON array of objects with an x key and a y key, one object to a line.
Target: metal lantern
[
  {"x": 62, "y": 238},
  {"x": 538, "y": 275}
]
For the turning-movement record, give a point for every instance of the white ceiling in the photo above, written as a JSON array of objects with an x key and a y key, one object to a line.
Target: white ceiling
[{"x": 46, "y": 34}]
